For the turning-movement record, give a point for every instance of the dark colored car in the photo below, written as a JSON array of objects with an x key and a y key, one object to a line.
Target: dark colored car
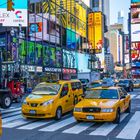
[
  {"x": 127, "y": 84},
  {"x": 85, "y": 83}
]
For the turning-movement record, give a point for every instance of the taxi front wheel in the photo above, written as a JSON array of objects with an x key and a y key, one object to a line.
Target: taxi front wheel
[
  {"x": 117, "y": 119},
  {"x": 58, "y": 114}
]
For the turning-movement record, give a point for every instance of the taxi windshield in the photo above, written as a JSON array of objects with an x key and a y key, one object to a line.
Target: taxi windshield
[
  {"x": 47, "y": 89},
  {"x": 101, "y": 94}
]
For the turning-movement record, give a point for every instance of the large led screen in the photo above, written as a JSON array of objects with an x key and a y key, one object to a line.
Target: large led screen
[
  {"x": 135, "y": 15},
  {"x": 135, "y": 1},
  {"x": 13, "y": 18},
  {"x": 135, "y": 32},
  {"x": 135, "y": 54}
]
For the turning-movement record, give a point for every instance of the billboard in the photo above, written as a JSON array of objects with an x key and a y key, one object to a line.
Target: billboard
[
  {"x": 135, "y": 32},
  {"x": 95, "y": 31},
  {"x": 16, "y": 17},
  {"x": 135, "y": 46},
  {"x": 44, "y": 29},
  {"x": 135, "y": 15},
  {"x": 135, "y": 55},
  {"x": 135, "y": 1}
]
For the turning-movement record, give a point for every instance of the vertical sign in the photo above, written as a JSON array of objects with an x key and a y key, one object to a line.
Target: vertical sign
[{"x": 95, "y": 32}]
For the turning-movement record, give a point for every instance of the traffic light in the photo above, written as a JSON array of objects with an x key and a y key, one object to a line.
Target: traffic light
[{"x": 10, "y": 5}]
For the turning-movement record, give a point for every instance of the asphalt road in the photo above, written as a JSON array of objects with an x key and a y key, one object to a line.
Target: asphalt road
[{"x": 15, "y": 127}]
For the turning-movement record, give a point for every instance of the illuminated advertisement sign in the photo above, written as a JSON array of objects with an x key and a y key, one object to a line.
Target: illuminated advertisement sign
[
  {"x": 95, "y": 32},
  {"x": 135, "y": 15},
  {"x": 135, "y": 54},
  {"x": 136, "y": 64},
  {"x": 16, "y": 17},
  {"x": 135, "y": 1},
  {"x": 135, "y": 32},
  {"x": 43, "y": 29},
  {"x": 135, "y": 46}
]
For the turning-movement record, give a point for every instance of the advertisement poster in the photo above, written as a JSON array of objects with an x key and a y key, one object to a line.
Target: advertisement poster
[
  {"x": 135, "y": 15},
  {"x": 31, "y": 53},
  {"x": 49, "y": 58},
  {"x": 69, "y": 59},
  {"x": 39, "y": 57},
  {"x": 13, "y": 18},
  {"x": 135, "y": 55},
  {"x": 135, "y": 1},
  {"x": 58, "y": 57},
  {"x": 135, "y": 32}
]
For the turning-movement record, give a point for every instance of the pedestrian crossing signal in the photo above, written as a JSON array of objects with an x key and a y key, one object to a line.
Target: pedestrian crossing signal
[{"x": 10, "y": 5}]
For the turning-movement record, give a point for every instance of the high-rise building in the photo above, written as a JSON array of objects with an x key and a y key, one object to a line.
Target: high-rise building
[{"x": 121, "y": 17}]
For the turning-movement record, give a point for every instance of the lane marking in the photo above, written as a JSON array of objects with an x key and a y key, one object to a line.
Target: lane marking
[
  {"x": 132, "y": 128},
  {"x": 10, "y": 114},
  {"x": 16, "y": 123},
  {"x": 106, "y": 128},
  {"x": 35, "y": 125},
  {"x": 59, "y": 125},
  {"x": 78, "y": 128},
  {"x": 6, "y": 120},
  {"x": 11, "y": 110}
]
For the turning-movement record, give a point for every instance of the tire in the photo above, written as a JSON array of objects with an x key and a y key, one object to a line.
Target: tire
[
  {"x": 128, "y": 110},
  {"x": 6, "y": 100},
  {"x": 117, "y": 119},
  {"x": 18, "y": 99},
  {"x": 58, "y": 114},
  {"x": 75, "y": 100}
]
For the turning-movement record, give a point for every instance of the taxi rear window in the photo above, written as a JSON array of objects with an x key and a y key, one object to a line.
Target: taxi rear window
[{"x": 101, "y": 94}]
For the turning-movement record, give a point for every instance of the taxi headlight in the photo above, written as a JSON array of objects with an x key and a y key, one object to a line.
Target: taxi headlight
[
  {"x": 77, "y": 109},
  {"x": 47, "y": 103},
  {"x": 24, "y": 102},
  {"x": 107, "y": 110}
]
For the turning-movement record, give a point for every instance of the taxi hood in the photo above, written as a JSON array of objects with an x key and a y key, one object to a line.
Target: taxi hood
[
  {"x": 103, "y": 103},
  {"x": 36, "y": 98}
]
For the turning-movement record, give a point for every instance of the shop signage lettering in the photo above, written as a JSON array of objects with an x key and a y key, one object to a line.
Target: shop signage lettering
[{"x": 53, "y": 69}]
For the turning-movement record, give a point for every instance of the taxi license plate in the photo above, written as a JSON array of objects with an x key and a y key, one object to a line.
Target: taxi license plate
[
  {"x": 32, "y": 112},
  {"x": 90, "y": 117}
]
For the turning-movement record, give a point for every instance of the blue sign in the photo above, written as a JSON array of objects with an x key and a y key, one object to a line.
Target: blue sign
[
  {"x": 135, "y": 1},
  {"x": 18, "y": 4}
]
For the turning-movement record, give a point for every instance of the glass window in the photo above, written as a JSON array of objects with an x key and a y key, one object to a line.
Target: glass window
[
  {"x": 102, "y": 94},
  {"x": 47, "y": 89}
]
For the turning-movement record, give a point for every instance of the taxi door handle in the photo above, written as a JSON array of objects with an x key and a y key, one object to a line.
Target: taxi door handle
[
  {"x": 69, "y": 95},
  {"x": 66, "y": 101}
]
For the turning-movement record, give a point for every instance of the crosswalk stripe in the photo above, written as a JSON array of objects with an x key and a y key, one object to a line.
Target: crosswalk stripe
[
  {"x": 106, "y": 128},
  {"x": 10, "y": 114},
  {"x": 10, "y": 110},
  {"x": 1, "y": 109},
  {"x": 59, "y": 125},
  {"x": 132, "y": 96},
  {"x": 131, "y": 129},
  {"x": 6, "y": 120},
  {"x": 78, "y": 128},
  {"x": 35, "y": 125},
  {"x": 138, "y": 97},
  {"x": 16, "y": 123}
]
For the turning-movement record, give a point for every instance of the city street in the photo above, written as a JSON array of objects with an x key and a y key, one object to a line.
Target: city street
[{"x": 15, "y": 127}]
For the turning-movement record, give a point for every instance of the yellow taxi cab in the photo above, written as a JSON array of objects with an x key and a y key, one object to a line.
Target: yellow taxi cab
[
  {"x": 0, "y": 125},
  {"x": 52, "y": 99},
  {"x": 103, "y": 104}
]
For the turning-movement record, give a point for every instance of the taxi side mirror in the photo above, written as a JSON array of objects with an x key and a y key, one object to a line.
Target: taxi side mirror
[{"x": 123, "y": 97}]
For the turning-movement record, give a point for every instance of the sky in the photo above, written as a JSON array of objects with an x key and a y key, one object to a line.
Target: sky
[{"x": 118, "y": 5}]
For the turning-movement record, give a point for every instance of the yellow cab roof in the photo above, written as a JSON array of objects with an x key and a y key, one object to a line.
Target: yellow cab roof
[
  {"x": 105, "y": 88},
  {"x": 60, "y": 82}
]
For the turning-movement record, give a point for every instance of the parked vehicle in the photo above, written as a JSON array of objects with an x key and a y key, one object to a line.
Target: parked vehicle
[
  {"x": 103, "y": 104},
  {"x": 136, "y": 83},
  {"x": 0, "y": 124},
  {"x": 52, "y": 99},
  {"x": 85, "y": 83},
  {"x": 95, "y": 84},
  {"x": 127, "y": 84}
]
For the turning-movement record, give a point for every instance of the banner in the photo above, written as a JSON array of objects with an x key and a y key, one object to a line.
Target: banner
[
  {"x": 95, "y": 31},
  {"x": 14, "y": 18}
]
